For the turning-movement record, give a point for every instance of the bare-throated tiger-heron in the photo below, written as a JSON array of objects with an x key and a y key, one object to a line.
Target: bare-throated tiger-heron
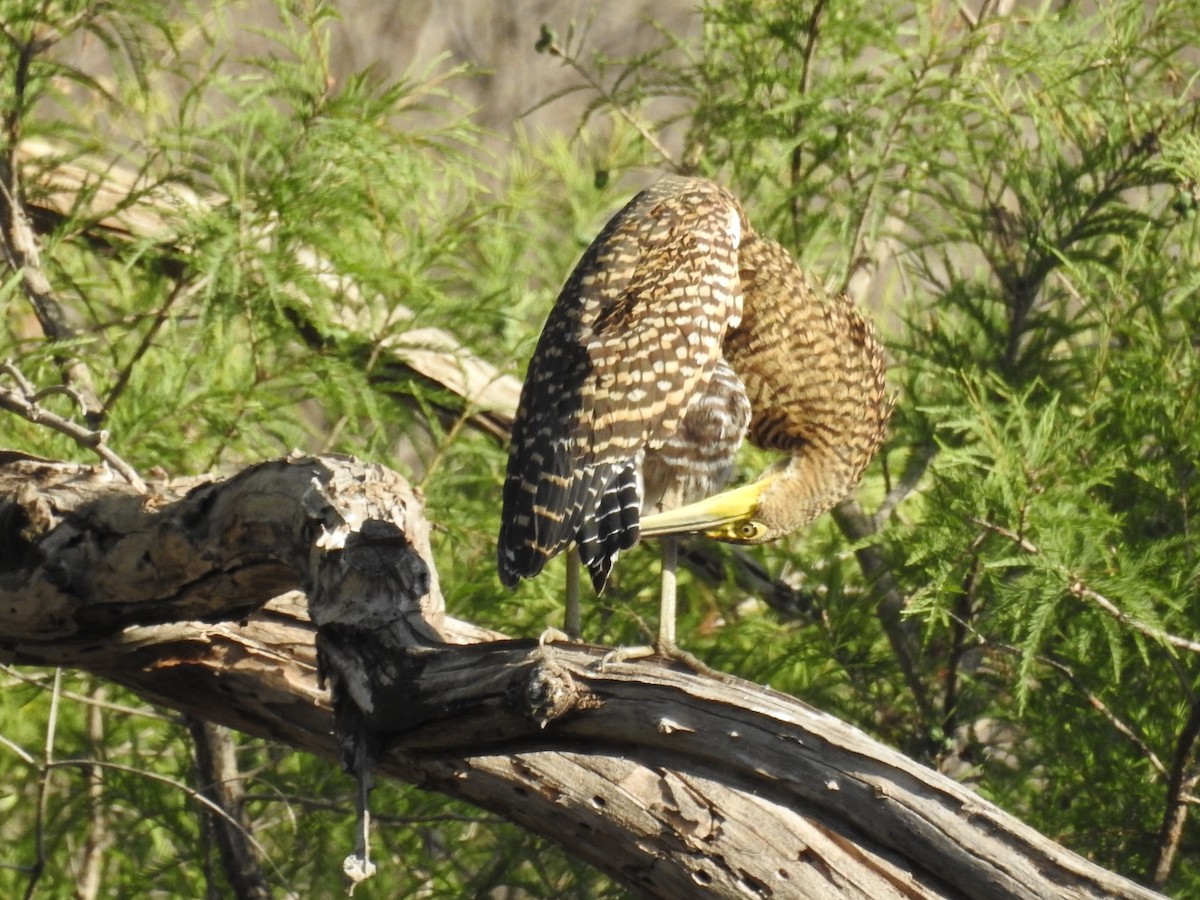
[{"x": 679, "y": 330}]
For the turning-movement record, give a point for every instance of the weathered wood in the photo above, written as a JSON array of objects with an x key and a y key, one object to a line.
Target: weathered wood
[{"x": 671, "y": 781}]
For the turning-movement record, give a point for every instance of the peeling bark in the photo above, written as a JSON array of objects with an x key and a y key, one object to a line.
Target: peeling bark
[{"x": 194, "y": 594}]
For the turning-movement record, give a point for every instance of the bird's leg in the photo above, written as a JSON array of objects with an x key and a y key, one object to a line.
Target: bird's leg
[
  {"x": 573, "y": 623},
  {"x": 573, "y": 618},
  {"x": 665, "y": 645}
]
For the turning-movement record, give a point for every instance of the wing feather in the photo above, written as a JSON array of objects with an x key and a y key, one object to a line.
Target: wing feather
[{"x": 636, "y": 330}]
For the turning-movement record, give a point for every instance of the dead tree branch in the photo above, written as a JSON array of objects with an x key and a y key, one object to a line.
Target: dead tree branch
[
  {"x": 674, "y": 783},
  {"x": 25, "y": 401}
]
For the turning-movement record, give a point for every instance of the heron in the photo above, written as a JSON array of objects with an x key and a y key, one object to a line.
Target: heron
[{"x": 679, "y": 331}]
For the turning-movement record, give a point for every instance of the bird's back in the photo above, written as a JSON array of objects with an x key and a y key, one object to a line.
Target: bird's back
[{"x": 635, "y": 333}]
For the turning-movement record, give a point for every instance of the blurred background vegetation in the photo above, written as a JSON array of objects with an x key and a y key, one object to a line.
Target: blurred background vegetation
[{"x": 1010, "y": 186}]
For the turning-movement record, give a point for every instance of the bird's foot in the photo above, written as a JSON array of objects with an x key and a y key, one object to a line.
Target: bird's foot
[
  {"x": 624, "y": 654},
  {"x": 659, "y": 651},
  {"x": 554, "y": 636},
  {"x": 674, "y": 652}
]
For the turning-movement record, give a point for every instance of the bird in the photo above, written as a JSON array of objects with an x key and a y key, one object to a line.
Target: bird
[
  {"x": 679, "y": 330},
  {"x": 815, "y": 374}
]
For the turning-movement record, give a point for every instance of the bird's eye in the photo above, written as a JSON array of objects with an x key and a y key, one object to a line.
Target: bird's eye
[{"x": 750, "y": 531}]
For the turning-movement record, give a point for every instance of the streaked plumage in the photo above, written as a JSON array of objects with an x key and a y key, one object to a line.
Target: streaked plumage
[
  {"x": 630, "y": 347},
  {"x": 678, "y": 328},
  {"x": 815, "y": 375}
]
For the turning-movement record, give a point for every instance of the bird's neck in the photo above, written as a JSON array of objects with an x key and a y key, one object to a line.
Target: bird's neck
[{"x": 805, "y": 486}]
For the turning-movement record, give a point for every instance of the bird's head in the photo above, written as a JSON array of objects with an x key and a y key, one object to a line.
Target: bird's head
[
  {"x": 733, "y": 516},
  {"x": 789, "y": 495}
]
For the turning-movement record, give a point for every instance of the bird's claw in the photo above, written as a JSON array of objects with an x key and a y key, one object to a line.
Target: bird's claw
[
  {"x": 553, "y": 636},
  {"x": 668, "y": 652},
  {"x": 624, "y": 654}
]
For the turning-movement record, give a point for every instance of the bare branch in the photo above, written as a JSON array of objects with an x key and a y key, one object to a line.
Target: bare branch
[
  {"x": 1184, "y": 776},
  {"x": 24, "y": 402},
  {"x": 639, "y": 757},
  {"x": 222, "y": 783},
  {"x": 21, "y": 252},
  {"x": 548, "y": 45}
]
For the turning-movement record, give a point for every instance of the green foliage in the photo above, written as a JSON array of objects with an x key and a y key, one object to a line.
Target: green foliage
[{"x": 1017, "y": 194}]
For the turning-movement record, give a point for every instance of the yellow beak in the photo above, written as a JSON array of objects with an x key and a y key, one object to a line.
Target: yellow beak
[{"x": 725, "y": 517}]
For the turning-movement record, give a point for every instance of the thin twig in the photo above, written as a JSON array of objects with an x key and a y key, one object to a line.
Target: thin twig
[
  {"x": 1119, "y": 725},
  {"x": 1078, "y": 588},
  {"x": 21, "y": 252},
  {"x": 862, "y": 262},
  {"x": 961, "y": 620},
  {"x": 99, "y": 835},
  {"x": 1023, "y": 542},
  {"x": 812, "y": 30},
  {"x": 344, "y": 808},
  {"x": 25, "y": 755},
  {"x": 914, "y": 471},
  {"x": 181, "y": 290},
  {"x": 88, "y": 700},
  {"x": 191, "y": 793},
  {"x": 23, "y": 402},
  {"x": 552, "y": 47},
  {"x": 43, "y": 801},
  {"x": 1184, "y": 777}
]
